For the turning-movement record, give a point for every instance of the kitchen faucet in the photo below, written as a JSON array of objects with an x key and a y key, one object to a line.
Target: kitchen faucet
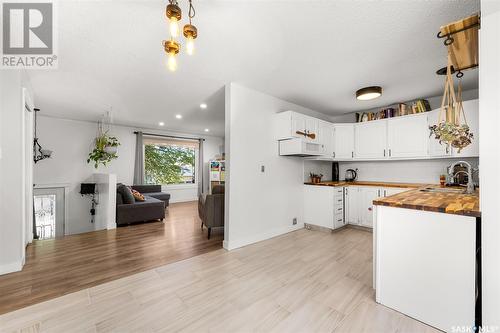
[{"x": 470, "y": 184}]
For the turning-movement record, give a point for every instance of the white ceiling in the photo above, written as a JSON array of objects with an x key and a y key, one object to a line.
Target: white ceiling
[{"x": 313, "y": 53}]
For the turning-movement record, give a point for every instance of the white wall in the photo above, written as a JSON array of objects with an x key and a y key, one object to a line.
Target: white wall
[
  {"x": 415, "y": 171},
  {"x": 12, "y": 176},
  {"x": 71, "y": 142},
  {"x": 260, "y": 205},
  {"x": 489, "y": 152},
  {"x": 105, "y": 217}
]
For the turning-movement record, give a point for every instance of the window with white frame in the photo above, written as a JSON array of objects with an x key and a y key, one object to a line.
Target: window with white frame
[{"x": 170, "y": 161}]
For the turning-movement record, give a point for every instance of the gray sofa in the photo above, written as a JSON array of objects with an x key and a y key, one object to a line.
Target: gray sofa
[
  {"x": 153, "y": 208},
  {"x": 211, "y": 208}
]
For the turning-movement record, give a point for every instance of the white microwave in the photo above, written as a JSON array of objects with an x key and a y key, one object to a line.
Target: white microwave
[{"x": 300, "y": 147}]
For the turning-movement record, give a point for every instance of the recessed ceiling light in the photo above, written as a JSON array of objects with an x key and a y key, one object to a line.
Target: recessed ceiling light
[
  {"x": 207, "y": 130},
  {"x": 365, "y": 94},
  {"x": 203, "y": 105},
  {"x": 178, "y": 116},
  {"x": 161, "y": 123}
]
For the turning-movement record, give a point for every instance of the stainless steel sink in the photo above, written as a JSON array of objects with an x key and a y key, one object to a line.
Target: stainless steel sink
[{"x": 444, "y": 190}]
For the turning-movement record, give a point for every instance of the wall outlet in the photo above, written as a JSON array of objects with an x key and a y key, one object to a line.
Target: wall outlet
[{"x": 294, "y": 222}]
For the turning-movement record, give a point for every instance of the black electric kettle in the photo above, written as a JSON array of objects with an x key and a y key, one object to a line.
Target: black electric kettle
[{"x": 350, "y": 175}]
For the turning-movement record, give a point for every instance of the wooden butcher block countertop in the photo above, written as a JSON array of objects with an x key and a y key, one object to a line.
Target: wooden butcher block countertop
[
  {"x": 367, "y": 183},
  {"x": 450, "y": 203},
  {"x": 441, "y": 202}
]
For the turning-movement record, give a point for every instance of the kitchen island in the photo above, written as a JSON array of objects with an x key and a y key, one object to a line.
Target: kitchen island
[{"x": 425, "y": 255}]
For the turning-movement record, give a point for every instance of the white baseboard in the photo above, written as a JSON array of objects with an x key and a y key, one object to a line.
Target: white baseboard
[
  {"x": 12, "y": 267},
  {"x": 183, "y": 200},
  {"x": 234, "y": 244}
]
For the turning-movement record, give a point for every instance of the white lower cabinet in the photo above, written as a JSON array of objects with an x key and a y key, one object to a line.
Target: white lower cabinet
[
  {"x": 324, "y": 206},
  {"x": 333, "y": 207},
  {"x": 352, "y": 200},
  {"x": 359, "y": 203},
  {"x": 368, "y": 194}
]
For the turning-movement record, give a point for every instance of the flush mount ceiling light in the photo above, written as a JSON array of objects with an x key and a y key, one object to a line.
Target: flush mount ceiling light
[
  {"x": 203, "y": 106},
  {"x": 190, "y": 32},
  {"x": 368, "y": 93},
  {"x": 161, "y": 123},
  {"x": 207, "y": 130},
  {"x": 178, "y": 116}
]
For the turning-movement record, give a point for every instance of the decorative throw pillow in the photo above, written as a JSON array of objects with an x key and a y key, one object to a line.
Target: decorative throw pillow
[
  {"x": 138, "y": 196},
  {"x": 126, "y": 192}
]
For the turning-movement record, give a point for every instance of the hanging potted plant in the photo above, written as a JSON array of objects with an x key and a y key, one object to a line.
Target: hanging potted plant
[
  {"x": 105, "y": 148},
  {"x": 452, "y": 128}
]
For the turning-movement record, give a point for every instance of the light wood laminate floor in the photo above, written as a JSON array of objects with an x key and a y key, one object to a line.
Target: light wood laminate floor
[
  {"x": 61, "y": 266},
  {"x": 304, "y": 281}
]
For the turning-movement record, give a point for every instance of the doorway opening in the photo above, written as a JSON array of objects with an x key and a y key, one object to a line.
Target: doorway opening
[{"x": 48, "y": 213}]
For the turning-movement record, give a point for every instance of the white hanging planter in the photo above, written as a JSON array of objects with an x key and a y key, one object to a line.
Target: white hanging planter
[
  {"x": 111, "y": 149},
  {"x": 452, "y": 128}
]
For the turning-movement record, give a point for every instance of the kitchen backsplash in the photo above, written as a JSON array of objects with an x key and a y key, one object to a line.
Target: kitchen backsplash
[
  {"x": 317, "y": 167},
  {"x": 412, "y": 171}
]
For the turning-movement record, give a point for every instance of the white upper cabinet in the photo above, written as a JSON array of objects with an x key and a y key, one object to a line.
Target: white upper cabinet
[
  {"x": 325, "y": 137},
  {"x": 407, "y": 136},
  {"x": 393, "y": 138},
  {"x": 343, "y": 143},
  {"x": 436, "y": 149},
  {"x": 288, "y": 123},
  {"x": 370, "y": 140},
  {"x": 312, "y": 127},
  {"x": 298, "y": 124},
  {"x": 471, "y": 110}
]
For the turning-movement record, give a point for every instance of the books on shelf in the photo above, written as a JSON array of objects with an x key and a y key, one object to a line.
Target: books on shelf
[{"x": 217, "y": 172}]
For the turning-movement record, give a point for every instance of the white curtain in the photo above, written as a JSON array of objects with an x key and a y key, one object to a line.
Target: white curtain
[{"x": 139, "y": 160}]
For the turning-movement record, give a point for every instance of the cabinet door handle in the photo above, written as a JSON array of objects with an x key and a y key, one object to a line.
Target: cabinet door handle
[
  {"x": 352, "y": 154},
  {"x": 340, "y": 200},
  {"x": 333, "y": 154},
  {"x": 390, "y": 153},
  {"x": 370, "y": 209},
  {"x": 339, "y": 209},
  {"x": 384, "y": 152}
]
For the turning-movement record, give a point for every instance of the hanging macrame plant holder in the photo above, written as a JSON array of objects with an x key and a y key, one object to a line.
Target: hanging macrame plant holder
[{"x": 452, "y": 128}]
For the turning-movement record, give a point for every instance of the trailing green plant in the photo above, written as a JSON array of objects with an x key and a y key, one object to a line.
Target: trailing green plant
[{"x": 99, "y": 155}]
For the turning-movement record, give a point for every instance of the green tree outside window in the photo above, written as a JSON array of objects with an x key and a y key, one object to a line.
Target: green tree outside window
[{"x": 169, "y": 164}]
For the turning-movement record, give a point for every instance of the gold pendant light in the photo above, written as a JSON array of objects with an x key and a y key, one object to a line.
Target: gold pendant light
[
  {"x": 174, "y": 15},
  {"x": 172, "y": 48},
  {"x": 190, "y": 32}
]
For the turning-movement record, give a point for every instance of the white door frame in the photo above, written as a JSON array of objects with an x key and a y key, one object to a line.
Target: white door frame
[
  {"x": 27, "y": 165},
  {"x": 60, "y": 206}
]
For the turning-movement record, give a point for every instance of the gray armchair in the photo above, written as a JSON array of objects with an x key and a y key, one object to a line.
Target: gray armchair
[{"x": 211, "y": 208}]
